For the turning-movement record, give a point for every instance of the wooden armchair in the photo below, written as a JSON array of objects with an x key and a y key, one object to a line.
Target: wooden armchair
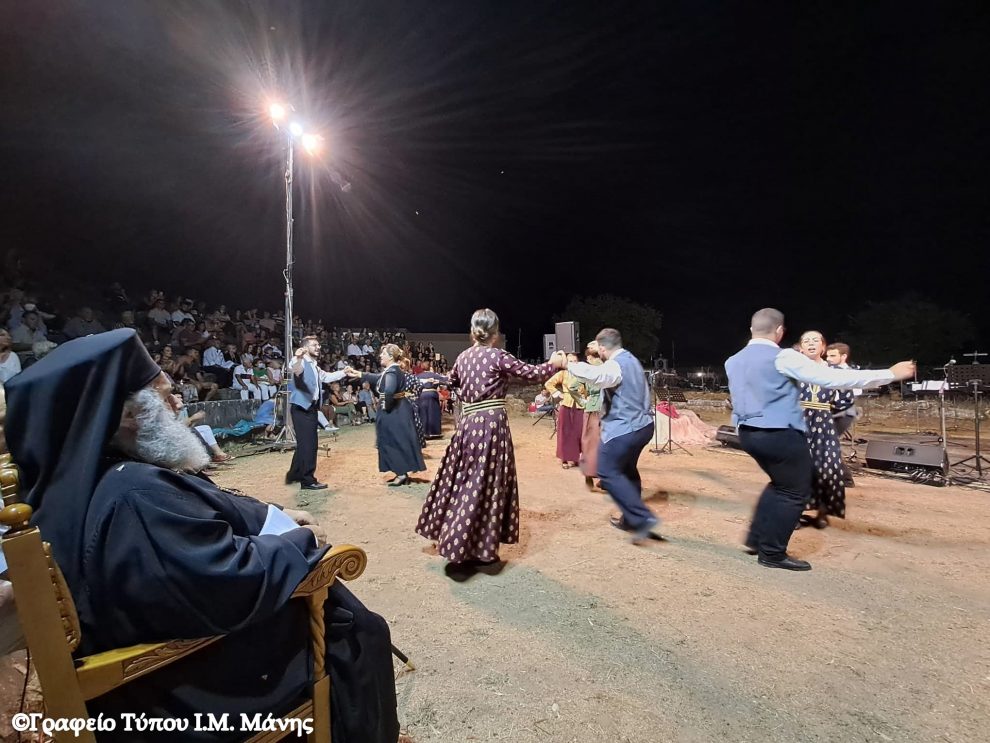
[{"x": 51, "y": 627}]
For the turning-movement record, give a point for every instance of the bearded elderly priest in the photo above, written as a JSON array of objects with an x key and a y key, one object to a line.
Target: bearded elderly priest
[{"x": 152, "y": 552}]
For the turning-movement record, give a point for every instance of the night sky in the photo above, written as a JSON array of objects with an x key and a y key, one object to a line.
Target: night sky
[{"x": 705, "y": 158}]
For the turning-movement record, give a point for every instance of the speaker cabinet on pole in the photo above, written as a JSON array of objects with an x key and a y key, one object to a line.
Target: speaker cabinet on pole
[
  {"x": 894, "y": 456},
  {"x": 568, "y": 337}
]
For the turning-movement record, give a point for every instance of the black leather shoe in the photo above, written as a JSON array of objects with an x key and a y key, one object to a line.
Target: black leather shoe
[
  {"x": 619, "y": 523},
  {"x": 314, "y": 486},
  {"x": 645, "y": 532},
  {"x": 398, "y": 480},
  {"x": 788, "y": 563}
]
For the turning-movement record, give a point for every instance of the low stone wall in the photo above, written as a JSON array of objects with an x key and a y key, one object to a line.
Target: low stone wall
[{"x": 225, "y": 413}]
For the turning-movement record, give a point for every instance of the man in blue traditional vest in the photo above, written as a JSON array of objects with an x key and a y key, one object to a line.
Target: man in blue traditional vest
[
  {"x": 305, "y": 399},
  {"x": 766, "y": 409},
  {"x": 627, "y": 428}
]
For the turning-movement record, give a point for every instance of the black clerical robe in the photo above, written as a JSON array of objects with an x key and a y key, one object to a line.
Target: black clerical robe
[{"x": 171, "y": 556}]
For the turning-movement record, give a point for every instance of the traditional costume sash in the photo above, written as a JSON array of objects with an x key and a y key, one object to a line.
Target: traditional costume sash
[
  {"x": 476, "y": 407},
  {"x": 811, "y": 405}
]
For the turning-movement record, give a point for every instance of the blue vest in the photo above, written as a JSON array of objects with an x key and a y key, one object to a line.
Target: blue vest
[
  {"x": 628, "y": 405},
  {"x": 762, "y": 397},
  {"x": 301, "y": 386}
]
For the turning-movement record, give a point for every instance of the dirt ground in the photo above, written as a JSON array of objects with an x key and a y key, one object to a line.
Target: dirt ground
[{"x": 585, "y": 637}]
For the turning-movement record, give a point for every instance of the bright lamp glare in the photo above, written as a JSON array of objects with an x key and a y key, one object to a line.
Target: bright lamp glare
[
  {"x": 277, "y": 111},
  {"x": 312, "y": 143},
  {"x": 296, "y": 128}
]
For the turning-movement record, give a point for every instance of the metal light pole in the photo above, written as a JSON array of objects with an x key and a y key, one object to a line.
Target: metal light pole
[
  {"x": 312, "y": 144},
  {"x": 287, "y": 436}
]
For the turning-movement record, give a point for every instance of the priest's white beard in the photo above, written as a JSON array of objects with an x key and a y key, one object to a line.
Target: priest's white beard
[{"x": 162, "y": 439}]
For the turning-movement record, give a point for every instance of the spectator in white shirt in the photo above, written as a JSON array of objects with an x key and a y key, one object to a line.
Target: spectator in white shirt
[
  {"x": 183, "y": 313},
  {"x": 215, "y": 363},
  {"x": 244, "y": 380},
  {"x": 10, "y": 364},
  {"x": 367, "y": 349},
  {"x": 353, "y": 349},
  {"x": 28, "y": 332},
  {"x": 159, "y": 315}
]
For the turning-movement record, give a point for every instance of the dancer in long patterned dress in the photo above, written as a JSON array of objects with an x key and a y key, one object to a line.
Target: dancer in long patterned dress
[
  {"x": 591, "y": 429},
  {"x": 570, "y": 414},
  {"x": 413, "y": 388},
  {"x": 429, "y": 400},
  {"x": 473, "y": 504},
  {"x": 828, "y": 491},
  {"x": 398, "y": 448}
]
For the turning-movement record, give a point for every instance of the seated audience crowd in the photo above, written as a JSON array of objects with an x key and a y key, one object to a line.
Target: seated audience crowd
[{"x": 206, "y": 349}]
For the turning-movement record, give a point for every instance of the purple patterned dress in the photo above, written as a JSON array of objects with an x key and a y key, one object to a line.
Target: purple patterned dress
[{"x": 473, "y": 504}]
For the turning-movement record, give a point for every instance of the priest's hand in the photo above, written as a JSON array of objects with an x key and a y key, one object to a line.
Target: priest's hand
[{"x": 303, "y": 518}]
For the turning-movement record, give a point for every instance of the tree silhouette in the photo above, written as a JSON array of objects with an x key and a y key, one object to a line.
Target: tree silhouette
[
  {"x": 638, "y": 323},
  {"x": 910, "y": 327}
]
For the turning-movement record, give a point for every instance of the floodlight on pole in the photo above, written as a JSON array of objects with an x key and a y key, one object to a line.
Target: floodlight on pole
[{"x": 313, "y": 145}]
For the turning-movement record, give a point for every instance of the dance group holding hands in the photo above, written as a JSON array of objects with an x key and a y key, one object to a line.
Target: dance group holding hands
[
  {"x": 151, "y": 549},
  {"x": 782, "y": 401}
]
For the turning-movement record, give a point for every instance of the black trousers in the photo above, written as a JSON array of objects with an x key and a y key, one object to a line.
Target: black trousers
[
  {"x": 303, "y": 467},
  {"x": 783, "y": 454}
]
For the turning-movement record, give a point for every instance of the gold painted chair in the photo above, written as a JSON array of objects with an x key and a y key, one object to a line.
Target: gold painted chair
[{"x": 51, "y": 627}]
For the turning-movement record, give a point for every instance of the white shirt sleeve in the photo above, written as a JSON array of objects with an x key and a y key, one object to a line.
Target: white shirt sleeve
[
  {"x": 797, "y": 366},
  {"x": 328, "y": 377},
  {"x": 604, "y": 376}
]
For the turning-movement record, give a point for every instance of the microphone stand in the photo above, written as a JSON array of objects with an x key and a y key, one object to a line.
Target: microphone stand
[{"x": 941, "y": 415}]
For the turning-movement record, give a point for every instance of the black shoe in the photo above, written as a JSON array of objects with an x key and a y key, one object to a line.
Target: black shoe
[
  {"x": 313, "y": 486},
  {"x": 398, "y": 480},
  {"x": 750, "y": 548},
  {"x": 645, "y": 532},
  {"x": 619, "y": 523},
  {"x": 489, "y": 567},
  {"x": 459, "y": 571},
  {"x": 787, "y": 563}
]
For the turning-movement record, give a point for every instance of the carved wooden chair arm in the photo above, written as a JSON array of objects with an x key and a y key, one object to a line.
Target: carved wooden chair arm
[
  {"x": 344, "y": 561},
  {"x": 104, "y": 671}
]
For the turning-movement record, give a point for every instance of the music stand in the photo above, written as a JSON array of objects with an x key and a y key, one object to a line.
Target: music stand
[
  {"x": 670, "y": 396},
  {"x": 975, "y": 378},
  {"x": 286, "y": 438},
  {"x": 552, "y": 412}
]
